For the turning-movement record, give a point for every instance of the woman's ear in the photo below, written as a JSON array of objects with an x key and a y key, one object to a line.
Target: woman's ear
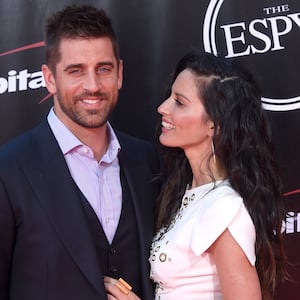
[{"x": 213, "y": 129}]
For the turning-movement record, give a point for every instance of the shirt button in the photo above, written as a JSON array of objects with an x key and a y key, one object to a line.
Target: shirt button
[{"x": 85, "y": 150}]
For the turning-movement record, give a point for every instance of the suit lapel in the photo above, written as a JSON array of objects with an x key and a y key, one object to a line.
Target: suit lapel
[
  {"x": 59, "y": 198},
  {"x": 142, "y": 204},
  {"x": 133, "y": 172}
]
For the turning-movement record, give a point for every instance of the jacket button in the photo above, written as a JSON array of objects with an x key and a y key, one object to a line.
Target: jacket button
[
  {"x": 113, "y": 251},
  {"x": 114, "y": 269}
]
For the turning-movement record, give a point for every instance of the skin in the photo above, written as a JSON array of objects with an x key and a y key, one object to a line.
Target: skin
[
  {"x": 238, "y": 278},
  {"x": 85, "y": 86},
  {"x": 185, "y": 124},
  {"x": 113, "y": 292}
]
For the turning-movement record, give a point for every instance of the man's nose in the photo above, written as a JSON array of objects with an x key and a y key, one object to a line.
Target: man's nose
[{"x": 91, "y": 82}]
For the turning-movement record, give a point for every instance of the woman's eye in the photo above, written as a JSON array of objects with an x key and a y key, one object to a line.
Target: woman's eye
[{"x": 178, "y": 102}]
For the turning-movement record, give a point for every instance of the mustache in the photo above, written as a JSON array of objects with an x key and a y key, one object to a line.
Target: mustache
[{"x": 89, "y": 94}]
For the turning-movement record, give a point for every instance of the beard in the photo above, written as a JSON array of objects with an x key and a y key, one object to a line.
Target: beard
[{"x": 88, "y": 118}]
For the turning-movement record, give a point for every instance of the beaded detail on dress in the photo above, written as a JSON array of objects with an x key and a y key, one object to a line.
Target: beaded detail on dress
[
  {"x": 154, "y": 249},
  {"x": 188, "y": 198}
]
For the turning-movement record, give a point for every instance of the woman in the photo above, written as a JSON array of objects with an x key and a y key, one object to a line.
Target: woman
[{"x": 220, "y": 214}]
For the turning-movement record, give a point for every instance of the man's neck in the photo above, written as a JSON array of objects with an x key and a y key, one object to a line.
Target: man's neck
[{"x": 95, "y": 138}]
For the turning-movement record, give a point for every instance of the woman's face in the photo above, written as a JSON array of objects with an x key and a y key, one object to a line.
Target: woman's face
[{"x": 185, "y": 123}]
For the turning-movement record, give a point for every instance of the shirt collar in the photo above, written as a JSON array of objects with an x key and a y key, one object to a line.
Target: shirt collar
[{"x": 67, "y": 141}]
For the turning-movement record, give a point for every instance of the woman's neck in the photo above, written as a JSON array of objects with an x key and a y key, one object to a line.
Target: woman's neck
[{"x": 206, "y": 175}]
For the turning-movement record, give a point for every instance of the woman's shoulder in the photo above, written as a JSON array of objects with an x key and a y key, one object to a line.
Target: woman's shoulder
[
  {"x": 222, "y": 209},
  {"x": 217, "y": 196}
]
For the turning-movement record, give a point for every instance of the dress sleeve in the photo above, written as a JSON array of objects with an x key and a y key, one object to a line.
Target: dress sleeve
[{"x": 223, "y": 209}]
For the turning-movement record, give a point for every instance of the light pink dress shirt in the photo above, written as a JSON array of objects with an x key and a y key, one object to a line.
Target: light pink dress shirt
[{"x": 98, "y": 181}]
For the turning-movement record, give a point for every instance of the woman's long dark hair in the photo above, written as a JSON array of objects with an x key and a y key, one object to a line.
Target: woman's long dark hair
[{"x": 243, "y": 147}]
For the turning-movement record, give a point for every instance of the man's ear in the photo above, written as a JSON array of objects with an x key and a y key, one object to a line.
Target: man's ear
[
  {"x": 120, "y": 74},
  {"x": 49, "y": 79}
]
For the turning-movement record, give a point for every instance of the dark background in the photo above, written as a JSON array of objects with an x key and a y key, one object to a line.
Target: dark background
[{"x": 153, "y": 35}]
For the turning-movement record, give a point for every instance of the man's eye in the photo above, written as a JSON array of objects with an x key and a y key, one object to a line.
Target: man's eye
[
  {"x": 74, "y": 71},
  {"x": 103, "y": 70}
]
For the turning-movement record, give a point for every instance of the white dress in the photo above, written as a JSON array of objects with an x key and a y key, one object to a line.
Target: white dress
[{"x": 180, "y": 265}]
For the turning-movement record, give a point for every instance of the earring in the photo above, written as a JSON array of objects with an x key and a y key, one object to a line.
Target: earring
[{"x": 213, "y": 150}]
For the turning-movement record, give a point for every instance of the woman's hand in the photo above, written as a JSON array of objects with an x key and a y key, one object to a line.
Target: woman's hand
[{"x": 118, "y": 289}]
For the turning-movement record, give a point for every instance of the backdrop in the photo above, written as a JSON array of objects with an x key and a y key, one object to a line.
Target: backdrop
[{"x": 153, "y": 35}]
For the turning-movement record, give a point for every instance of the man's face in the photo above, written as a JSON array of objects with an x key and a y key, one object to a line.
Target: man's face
[{"x": 86, "y": 82}]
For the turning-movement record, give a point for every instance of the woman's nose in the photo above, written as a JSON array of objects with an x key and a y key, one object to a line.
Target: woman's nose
[{"x": 163, "y": 108}]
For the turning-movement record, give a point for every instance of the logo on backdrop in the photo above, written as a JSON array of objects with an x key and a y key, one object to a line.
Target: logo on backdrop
[
  {"x": 265, "y": 37},
  {"x": 21, "y": 80},
  {"x": 291, "y": 224}
]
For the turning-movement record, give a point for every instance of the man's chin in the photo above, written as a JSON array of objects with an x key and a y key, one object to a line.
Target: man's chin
[
  {"x": 90, "y": 121},
  {"x": 93, "y": 125}
]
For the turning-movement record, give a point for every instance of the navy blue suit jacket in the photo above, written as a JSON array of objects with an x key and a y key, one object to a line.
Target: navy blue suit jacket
[{"x": 46, "y": 248}]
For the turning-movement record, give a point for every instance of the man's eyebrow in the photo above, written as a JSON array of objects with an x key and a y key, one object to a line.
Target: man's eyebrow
[
  {"x": 106, "y": 63},
  {"x": 73, "y": 66}
]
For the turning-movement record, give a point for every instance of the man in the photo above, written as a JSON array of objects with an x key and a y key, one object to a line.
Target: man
[{"x": 76, "y": 198}]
